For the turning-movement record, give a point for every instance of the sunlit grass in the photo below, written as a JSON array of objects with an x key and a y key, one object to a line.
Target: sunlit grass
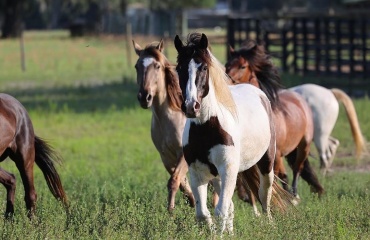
[{"x": 81, "y": 96}]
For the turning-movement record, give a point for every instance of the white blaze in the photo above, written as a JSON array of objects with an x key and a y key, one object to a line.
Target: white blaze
[
  {"x": 191, "y": 88},
  {"x": 147, "y": 61}
]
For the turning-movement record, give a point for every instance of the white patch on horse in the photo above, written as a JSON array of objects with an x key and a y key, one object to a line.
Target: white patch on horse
[
  {"x": 191, "y": 88},
  {"x": 148, "y": 61}
]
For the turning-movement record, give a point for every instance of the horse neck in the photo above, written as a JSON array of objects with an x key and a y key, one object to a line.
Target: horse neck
[
  {"x": 210, "y": 106},
  {"x": 252, "y": 79}
]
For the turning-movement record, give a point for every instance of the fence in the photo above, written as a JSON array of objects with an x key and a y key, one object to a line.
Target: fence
[{"x": 335, "y": 49}]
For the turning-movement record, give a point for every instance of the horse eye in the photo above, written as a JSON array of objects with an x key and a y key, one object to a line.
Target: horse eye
[
  {"x": 204, "y": 68},
  {"x": 243, "y": 67}
]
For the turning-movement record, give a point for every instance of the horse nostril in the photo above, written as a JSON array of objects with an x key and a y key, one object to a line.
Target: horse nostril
[
  {"x": 196, "y": 106},
  {"x": 148, "y": 97}
]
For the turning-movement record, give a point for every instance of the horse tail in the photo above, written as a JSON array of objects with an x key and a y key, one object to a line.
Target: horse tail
[
  {"x": 44, "y": 157},
  {"x": 353, "y": 121},
  {"x": 281, "y": 200}
]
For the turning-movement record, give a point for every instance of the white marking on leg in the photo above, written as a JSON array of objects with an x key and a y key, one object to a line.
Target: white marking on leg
[{"x": 265, "y": 192}]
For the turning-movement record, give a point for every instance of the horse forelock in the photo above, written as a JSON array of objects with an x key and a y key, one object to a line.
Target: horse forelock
[{"x": 266, "y": 72}]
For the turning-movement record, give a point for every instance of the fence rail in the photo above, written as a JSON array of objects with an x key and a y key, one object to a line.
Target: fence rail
[{"x": 336, "y": 49}]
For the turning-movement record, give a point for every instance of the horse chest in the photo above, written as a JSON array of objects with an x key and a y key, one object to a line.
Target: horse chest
[{"x": 201, "y": 138}]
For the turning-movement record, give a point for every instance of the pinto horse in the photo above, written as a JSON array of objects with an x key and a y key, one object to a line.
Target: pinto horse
[
  {"x": 159, "y": 90},
  {"x": 18, "y": 141},
  {"x": 324, "y": 104},
  {"x": 292, "y": 116},
  {"x": 229, "y": 129}
]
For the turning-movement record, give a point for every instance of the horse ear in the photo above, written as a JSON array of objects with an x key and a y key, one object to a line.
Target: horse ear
[
  {"x": 160, "y": 46},
  {"x": 137, "y": 47},
  {"x": 203, "y": 43},
  {"x": 178, "y": 43},
  {"x": 231, "y": 51}
]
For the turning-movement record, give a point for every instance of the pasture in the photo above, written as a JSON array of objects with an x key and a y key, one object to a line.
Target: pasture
[{"x": 81, "y": 97}]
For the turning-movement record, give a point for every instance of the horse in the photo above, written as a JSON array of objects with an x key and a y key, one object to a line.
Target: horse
[
  {"x": 291, "y": 113},
  {"x": 19, "y": 142},
  {"x": 159, "y": 90},
  {"x": 228, "y": 130},
  {"x": 324, "y": 104}
]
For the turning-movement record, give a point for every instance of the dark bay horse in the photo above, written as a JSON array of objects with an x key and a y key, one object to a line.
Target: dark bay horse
[
  {"x": 292, "y": 116},
  {"x": 229, "y": 129},
  {"x": 19, "y": 143},
  {"x": 159, "y": 90}
]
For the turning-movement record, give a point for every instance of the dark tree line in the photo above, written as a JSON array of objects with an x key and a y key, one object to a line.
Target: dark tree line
[{"x": 53, "y": 14}]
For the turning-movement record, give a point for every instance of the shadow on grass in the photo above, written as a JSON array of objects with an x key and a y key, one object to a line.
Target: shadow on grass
[{"x": 84, "y": 98}]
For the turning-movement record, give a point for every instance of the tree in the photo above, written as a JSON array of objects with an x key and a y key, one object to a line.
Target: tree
[
  {"x": 175, "y": 4},
  {"x": 12, "y": 25}
]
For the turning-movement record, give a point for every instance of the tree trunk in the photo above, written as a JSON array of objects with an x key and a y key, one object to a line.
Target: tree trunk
[{"x": 12, "y": 19}]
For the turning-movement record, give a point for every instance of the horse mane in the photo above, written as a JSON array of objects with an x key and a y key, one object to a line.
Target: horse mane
[
  {"x": 174, "y": 94},
  {"x": 216, "y": 73},
  {"x": 266, "y": 72}
]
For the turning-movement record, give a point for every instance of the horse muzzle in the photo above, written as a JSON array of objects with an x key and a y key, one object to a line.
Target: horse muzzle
[
  {"x": 145, "y": 99},
  {"x": 191, "y": 109}
]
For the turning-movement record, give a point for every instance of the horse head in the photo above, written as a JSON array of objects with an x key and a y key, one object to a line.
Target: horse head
[
  {"x": 238, "y": 66},
  {"x": 150, "y": 72},
  {"x": 252, "y": 64},
  {"x": 193, "y": 61}
]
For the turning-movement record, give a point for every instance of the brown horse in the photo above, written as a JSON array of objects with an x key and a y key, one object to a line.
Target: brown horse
[
  {"x": 292, "y": 115},
  {"x": 18, "y": 141},
  {"x": 160, "y": 91}
]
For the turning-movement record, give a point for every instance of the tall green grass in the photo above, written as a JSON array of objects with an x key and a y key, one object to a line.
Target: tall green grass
[{"x": 81, "y": 96}]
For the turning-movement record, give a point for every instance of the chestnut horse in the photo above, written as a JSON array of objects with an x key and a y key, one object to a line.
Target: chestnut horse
[
  {"x": 19, "y": 143},
  {"x": 292, "y": 115},
  {"x": 159, "y": 90},
  {"x": 229, "y": 129}
]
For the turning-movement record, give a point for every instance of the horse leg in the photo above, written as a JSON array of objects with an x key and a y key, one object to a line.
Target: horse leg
[
  {"x": 280, "y": 171},
  {"x": 24, "y": 160},
  {"x": 178, "y": 180},
  {"x": 182, "y": 168},
  {"x": 243, "y": 192},
  {"x": 199, "y": 186},
  {"x": 8, "y": 180},
  {"x": 246, "y": 195},
  {"x": 302, "y": 153},
  {"x": 333, "y": 146}
]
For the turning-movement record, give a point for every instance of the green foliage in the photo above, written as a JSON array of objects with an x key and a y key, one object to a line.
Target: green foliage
[
  {"x": 174, "y": 4},
  {"x": 81, "y": 96}
]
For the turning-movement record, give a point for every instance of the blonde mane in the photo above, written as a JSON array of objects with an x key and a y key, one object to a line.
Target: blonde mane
[{"x": 220, "y": 80}]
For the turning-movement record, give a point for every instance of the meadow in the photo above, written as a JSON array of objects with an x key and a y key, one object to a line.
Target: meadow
[{"x": 81, "y": 97}]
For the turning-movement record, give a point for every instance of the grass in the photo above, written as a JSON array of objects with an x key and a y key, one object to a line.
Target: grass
[{"x": 81, "y": 96}]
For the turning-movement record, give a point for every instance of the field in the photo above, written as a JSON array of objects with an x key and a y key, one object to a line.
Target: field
[{"x": 81, "y": 96}]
